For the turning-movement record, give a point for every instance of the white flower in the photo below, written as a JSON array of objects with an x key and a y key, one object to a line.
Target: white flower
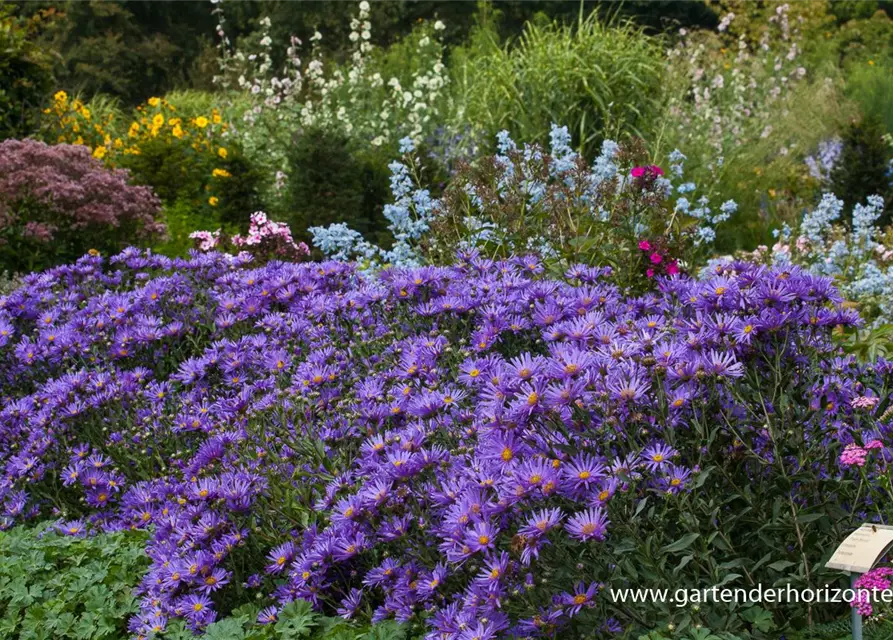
[
  {"x": 364, "y": 6},
  {"x": 439, "y": 26}
]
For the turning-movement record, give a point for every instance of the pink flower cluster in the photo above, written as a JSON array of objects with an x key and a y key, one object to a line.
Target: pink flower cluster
[
  {"x": 661, "y": 263},
  {"x": 864, "y": 402},
  {"x": 266, "y": 239},
  {"x": 875, "y": 580},
  {"x": 263, "y": 229},
  {"x": 854, "y": 455},
  {"x": 206, "y": 240}
]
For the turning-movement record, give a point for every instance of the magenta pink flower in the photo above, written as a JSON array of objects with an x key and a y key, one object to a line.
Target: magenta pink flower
[
  {"x": 644, "y": 245},
  {"x": 672, "y": 268},
  {"x": 656, "y": 258},
  {"x": 876, "y": 579},
  {"x": 651, "y": 171}
]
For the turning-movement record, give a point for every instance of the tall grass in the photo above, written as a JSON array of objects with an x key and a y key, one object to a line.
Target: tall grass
[{"x": 601, "y": 79}]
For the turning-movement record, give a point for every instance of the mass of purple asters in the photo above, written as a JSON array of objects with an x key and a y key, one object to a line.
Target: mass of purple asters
[{"x": 410, "y": 445}]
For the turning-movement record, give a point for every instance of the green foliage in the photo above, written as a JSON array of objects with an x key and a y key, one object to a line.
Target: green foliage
[
  {"x": 331, "y": 180},
  {"x": 869, "y": 343},
  {"x": 58, "y": 587},
  {"x": 295, "y": 621},
  {"x": 701, "y": 633},
  {"x": 181, "y": 176},
  {"x": 181, "y": 219},
  {"x": 130, "y": 50},
  {"x": 599, "y": 80},
  {"x": 872, "y": 629},
  {"x": 870, "y": 86},
  {"x": 395, "y": 19},
  {"x": 25, "y": 73},
  {"x": 862, "y": 168},
  {"x": 845, "y": 10}
]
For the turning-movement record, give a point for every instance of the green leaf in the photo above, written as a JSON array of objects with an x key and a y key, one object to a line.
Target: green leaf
[
  {"x": 781, "y": 565},
  {"x": 759, "y": 618},
  {"x": 682, "y": 543},
  {"x": 296, "y": 620},
  {"x": 809, "y": 517},
  {"x": 226, "y": 629},
  {"x": 682, "y": 563},
  {"x": 386, "y": 630}
]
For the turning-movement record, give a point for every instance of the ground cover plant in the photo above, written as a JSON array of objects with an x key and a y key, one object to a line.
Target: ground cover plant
[{"x": 67, "y": 584}]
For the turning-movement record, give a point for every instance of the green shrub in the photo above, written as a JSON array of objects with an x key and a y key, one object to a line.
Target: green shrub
[
  {"x": 871, "y": 87},
  {"x": 25, "y": 74},
  {"x": 331, "y": 180},
  {"x": 181, "y": 176},
  {"x": 181, "y": 219},
  {"x": 601, "y": 80},
  {"x": 54, "y": 586},
  {"x": 862, "y": 168}
]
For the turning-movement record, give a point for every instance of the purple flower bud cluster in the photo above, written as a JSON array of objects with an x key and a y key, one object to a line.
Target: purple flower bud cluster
[{"x": 419, "y": 442}]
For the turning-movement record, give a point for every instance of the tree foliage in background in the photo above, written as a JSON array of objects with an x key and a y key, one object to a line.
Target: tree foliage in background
[
  {"x": 25, "y": 71},
  {"x": 129, "y": 50},
  {"x": 137, "y": 48},
  {"x": 394, "y": 19}
]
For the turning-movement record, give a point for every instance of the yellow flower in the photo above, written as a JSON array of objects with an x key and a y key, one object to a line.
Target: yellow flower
[
  {"x": 771, "y": 193},
  {"x": 86, "y": 113},
  {"x": 61, "y": 96},
  {"x": 221, "y": 173},
  {"x": 213, "y": 201},
  {"x": 99, "y": 152},
  {"x": 177, "y": 131},
  {"x": 222, "y": 152},
  {"x": 134, "y": 130},
  {"x": 158, "y": 120},
  {"x": 201, "y": 122},
  {"x": 871, "y": 62},
  {"x": 93, "y": 252},
  {"x": 215, "y": 117},
  {"x": 154, "y": 102}
]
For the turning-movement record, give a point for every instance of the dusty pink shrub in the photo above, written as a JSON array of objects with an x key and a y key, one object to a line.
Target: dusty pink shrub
[{"x": 57, "y": 202}]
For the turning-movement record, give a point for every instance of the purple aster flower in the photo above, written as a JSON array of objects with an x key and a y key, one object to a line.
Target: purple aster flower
[{"x": 589, "y": 524}]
